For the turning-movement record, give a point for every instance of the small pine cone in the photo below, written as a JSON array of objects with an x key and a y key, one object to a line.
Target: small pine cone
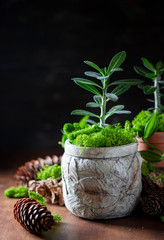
[
  {"x": 153, "y": 204},
  {"x": 29, "y": 171},
  {"x": 33, "y": 216},
  {"x": 148, "y": 186}
]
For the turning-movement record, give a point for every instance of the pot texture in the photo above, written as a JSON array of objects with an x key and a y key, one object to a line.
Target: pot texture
[
  {"x": 157, "y": 140},
  {"x": 101, "y": 183}
]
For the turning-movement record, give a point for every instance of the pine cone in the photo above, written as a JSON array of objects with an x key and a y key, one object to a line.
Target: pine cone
[
  {"x": 148, "y": 186},
  {"x": 50, "y": 188},
  {"x": 153, "y": 204},
  {"x": 33, "y": 216},
  {"x": 29, "y": 171}
]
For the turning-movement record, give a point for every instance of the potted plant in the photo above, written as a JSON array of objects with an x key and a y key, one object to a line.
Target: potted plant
[
  {"x": 154, "y": 73},
  {"x": 101, "y": 165}
]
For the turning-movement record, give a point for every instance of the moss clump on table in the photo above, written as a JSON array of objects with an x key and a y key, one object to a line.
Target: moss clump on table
[
  {"x": 141, "y": 120},
  {"x": 53, "y": 171},
  {"x": 94, "y": 136}
]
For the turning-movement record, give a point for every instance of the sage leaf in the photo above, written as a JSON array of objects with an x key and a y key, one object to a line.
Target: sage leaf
[
  {"x": 113, "y": 110},
  {"x": 92, "y": 104},
  {"x": 141, "y": 71},
  {"x": 120, "y": 89},
  {"x": 148, "y": 65},
  {"x": 92, "y": 74},
  {"x": 83, "y": 112},
  {"x": 85, "y": 81},
  {"x": 116, "y": 61},
  {"x": 128, "y": 82},
  {"x": 151, "y": 75},
  {"x": 91, "y": 64},
  {"x": 88, "y": 87},
  {"x": 97, "y": 99},
  {"x": 92, "y": 122},
  {"x": 112, "y": 96}
]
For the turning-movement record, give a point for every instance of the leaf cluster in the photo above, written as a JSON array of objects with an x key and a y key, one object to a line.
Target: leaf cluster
[
  {"x": 19, "y": 192},
  {"x": 94, "y": 136},
  {"x": 141, "y": 120},
  {"x": 53, "y": 171},
  {"x": 154, "y": 73},
  {"x": 100, "y": 89}
]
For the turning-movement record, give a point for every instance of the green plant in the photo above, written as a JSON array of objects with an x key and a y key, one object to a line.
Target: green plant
[
  {"x": 154, "y": 73},
  {"x": 94, "y": 136},
  {"x": 103, "y": 75},
  {"x": 151, "y": 156},
  {"x": 19, "y": 192}
]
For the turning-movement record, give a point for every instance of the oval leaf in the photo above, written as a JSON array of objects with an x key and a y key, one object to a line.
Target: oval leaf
[
  {"x": 141, "y": 71},
  {"x": 83, "y": 112},
  {"x": 85, "y": 81},
  {"x": 128, "y": 82},
  {"x": 92, "y": 104},
  {"x": 116, "y": 61},
  {"x": 88, "y": 87},
  {"x": 151, "y": 126},
  {"x": 151, "y": 156},
  {"x": 112, "y": 97},
  {"x": 113, "y": 110},
  {"x": 91, "y": 64},
  {"x": 120, "y": 89},
  {"x": 92, "y": 74},
  {"x": 97, "y": 99},
  {"x": 148, "y": 65}
]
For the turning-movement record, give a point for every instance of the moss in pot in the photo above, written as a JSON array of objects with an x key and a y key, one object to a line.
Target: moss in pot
[
  {"x": 153, "y": 73},
  {"x": 101, "y": 165}
]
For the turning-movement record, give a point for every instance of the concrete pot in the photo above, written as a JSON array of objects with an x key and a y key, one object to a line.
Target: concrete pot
[
  {"x": 101, "y": 183},
  {"x": 156, "y": 140}
]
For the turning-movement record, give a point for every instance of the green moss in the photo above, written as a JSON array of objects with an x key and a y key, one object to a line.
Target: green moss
[
  {"x": 110, "y": 136},
  {"x": 19, "y": 192},
  {"x": 142, "y": 118},
  {"x": 57, "y": 217},
  {"x": 38, "y": 197},
  {"x": 53, "y": 171}
]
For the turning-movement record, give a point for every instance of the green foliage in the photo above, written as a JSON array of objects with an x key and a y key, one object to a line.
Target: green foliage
[
  {"x": 154, "y": 73},
  {"x": 142, "y": 119},
  {"x": 19, "y": 192},
  {"x": 100, "y": 89},
  {"x": 151, "y": 126},
  {"x": 57, "y": 218},
  {"x": 94, "y": 136},
  {"x": 53, "y": 171},
  {"x": 38, "y": 197}
]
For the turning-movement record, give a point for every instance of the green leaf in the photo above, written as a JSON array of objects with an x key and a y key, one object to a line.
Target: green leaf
[
  {"x": 91, "y": 64},
  {"x": 92, "y": 104},
  {"x": 151, "y": 156},
  {"x": 113, "y": 110},
  {"x": 148, "y": 65},
  {"x": 141, "y": 71},
  {"x": 92, "y": 122},
  {"x": 144, "y": 169},
  {"x": 123, "y": 112},
  {"x": 116, "y": 61},
  {"x": 112, "y": 96},
  {"x": 161, "y": 107},
  {"x": 162, "y": 219},
  {"x": 151, "y": 126},
  {"x": 85, "y": 81},
  {"x": 88, "y": 87},
  {"x": 120, "y": 89},
  {"x": 128, "y": 82},
  {"x": 151, "y": 75},
  {"x": 159, "y": 65},
  {"x": 92, "y": 74},
  {"x": 150, "y": 100},
  {"x": 97, "y": 99},
  {"x": 82, "y": 122},
  {"x": 117, "y": 69},
  {"x": 38, "y": 197},
  {"x": 83, "y": 112},
  {"x": 104, "y": 77},
  {"x": 147, "y": 89},
  {"x": 162, "y": 82}
]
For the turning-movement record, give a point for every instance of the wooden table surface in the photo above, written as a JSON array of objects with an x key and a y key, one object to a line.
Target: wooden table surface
[{"x": 134, "y": 227}]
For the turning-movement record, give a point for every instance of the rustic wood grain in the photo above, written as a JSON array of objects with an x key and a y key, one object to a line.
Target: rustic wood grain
[{"x": 136, "y": 226}]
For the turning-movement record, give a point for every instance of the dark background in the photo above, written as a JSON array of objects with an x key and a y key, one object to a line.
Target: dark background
[{"x": 43, "y": 45}]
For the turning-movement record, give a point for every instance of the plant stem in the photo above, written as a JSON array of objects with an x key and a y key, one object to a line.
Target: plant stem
[
  {"x": 156, "y": 95},
  {"x": 103, "y": 106}
]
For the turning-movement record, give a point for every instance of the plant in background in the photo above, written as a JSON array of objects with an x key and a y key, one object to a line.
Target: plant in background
[
  {"x": 151, "y": 156},
  {"x": 100, "y": 90},
  {"x": 154, "y": 73}
]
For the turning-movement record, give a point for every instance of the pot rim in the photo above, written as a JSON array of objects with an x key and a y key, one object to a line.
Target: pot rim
[{"x": 102, "y": 152}]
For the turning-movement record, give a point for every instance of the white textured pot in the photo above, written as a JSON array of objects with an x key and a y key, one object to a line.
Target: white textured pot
[{"x": 101, "y": 183}]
